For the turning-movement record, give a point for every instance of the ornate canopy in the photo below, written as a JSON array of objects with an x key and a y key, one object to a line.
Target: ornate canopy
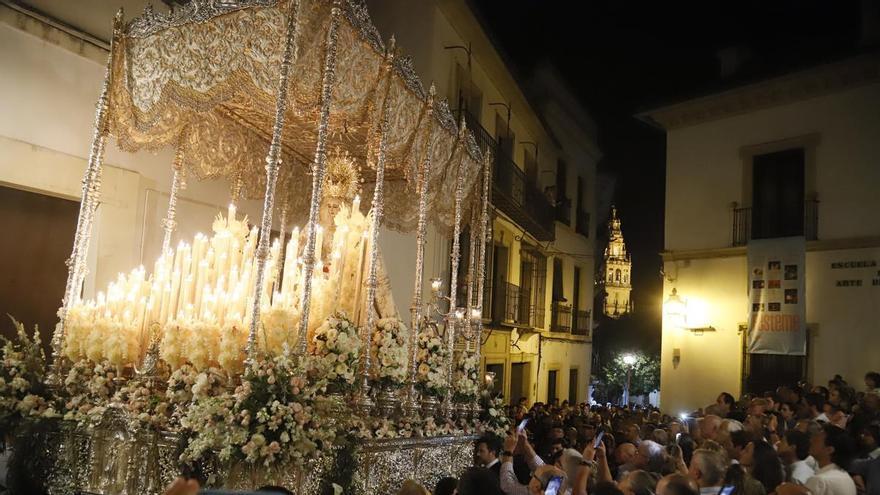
[{"x": 204, "y": 79}]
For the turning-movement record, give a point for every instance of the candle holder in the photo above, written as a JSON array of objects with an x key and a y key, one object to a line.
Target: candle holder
[
  {"x": 430, "y": 406},
  {"x": 410, "y": 405},
  {"x": 362, "y": 403},
  {"x": 387, "y": 402}
]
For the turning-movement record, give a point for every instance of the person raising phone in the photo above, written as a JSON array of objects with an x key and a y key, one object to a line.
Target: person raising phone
[{"x": 544, "y": 477}]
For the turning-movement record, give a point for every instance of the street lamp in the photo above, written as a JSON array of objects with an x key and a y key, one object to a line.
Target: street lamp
[{"x": 629, "y": 360}]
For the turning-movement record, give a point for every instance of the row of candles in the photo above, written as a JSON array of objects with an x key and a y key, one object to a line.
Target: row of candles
[{"x": 213, "y": 279}]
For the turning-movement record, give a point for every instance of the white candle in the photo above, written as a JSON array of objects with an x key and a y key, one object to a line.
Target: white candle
[
  {"x": 175, "y": 294},
  {"x": 200, "y": 282}
]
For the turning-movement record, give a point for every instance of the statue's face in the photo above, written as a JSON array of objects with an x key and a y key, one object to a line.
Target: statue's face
[{"x": 329, "y": 208}]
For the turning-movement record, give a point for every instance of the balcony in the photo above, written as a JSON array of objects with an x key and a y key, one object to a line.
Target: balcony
[
  {"x": 581, "y": 323},
  {"x": 560, "y": 317},
  {"x": 512, "y": 192},
  {"x": 513, "y": 306},
  {"x": 582, "y": 223},
  {"x": 481, "y": 136},
  {"x": 563, "y": 210},
  {"x": 744, "y": 229}
]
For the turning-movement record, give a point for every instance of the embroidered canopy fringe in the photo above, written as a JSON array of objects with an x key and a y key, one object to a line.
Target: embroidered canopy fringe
[{"x": 205, "y": 77}]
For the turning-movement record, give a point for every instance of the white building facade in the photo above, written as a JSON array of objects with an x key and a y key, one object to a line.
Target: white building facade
[
  {"x": 53, "y": 56},
  {"x": 797, "y": 155}
]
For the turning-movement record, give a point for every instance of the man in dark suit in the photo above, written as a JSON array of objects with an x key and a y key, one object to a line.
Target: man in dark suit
[{"x": 488, "y": 450}]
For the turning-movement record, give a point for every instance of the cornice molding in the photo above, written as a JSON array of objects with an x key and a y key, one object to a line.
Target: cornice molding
[
  {"x": 53, "y": 31},
  {"x": 790, "y": 88},
  {"x": 736, "y": 251}
]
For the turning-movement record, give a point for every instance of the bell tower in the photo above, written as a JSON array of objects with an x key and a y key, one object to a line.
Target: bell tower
[{"x": 618, "y": 271}]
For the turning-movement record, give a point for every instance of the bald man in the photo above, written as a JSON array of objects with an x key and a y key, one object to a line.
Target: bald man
[
  {"x": 709, "y": 427},
  {"x": 624, "y": 458}
]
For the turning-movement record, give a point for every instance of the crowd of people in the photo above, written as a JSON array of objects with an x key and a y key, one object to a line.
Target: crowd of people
[{"x": 799, "y": 440}]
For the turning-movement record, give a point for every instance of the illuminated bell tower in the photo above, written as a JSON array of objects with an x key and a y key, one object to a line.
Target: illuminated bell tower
[{"x": 618, "y": 271}]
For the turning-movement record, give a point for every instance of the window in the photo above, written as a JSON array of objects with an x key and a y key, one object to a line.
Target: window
[
  {"x": 617, "y": 275},
  {"x": 469, "y": 97},
  {"x": 582, "y": 225},
  {"x": 551, "y": 386},
  {"x": 533, "y": 281},
  {"x": 572, "y": 386},
  {"x": 499, "y": 282},
  {"x": 576, "y": 296},
  {"x": 530, "y": 164},
  {"x": 504, "y": 135},
  {"x": 580, "y": 194},
  {"x": 778, "y": 194},
  {"x": 558, "y": 294},
  {"x": 561, "y": 179},
  {"x": 560, "y": 194}
]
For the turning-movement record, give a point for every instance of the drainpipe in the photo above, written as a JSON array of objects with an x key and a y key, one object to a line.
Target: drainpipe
[{"x": 538, "y": 373}]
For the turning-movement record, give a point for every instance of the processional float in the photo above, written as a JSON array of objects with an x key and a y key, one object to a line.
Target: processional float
[{"x": 235, "y": 337}]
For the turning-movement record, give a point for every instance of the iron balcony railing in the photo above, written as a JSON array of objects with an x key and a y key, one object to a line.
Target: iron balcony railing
[
  {"x": 516, "y": 196},
  {"x": 531, "y": 314},
  {"x": 513, "y": 305},
  {"x": 481, "y": 136},
  {"x": 563, "y": 210},
  {"x": 512, "y": 192},
  {"x": 744, "y": 228},
  {"x": 581, "y": 323},
  {"x": 560, "y": 317}
]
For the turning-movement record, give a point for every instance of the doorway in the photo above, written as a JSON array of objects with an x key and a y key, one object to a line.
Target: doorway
[
  {"x": 573, "y": 386},
  {"x": 32, "y": 261},
  {"x": 519, "y": 381},
  {"x": 551, "y": 386},
  {"x": 498, "y": 382}
]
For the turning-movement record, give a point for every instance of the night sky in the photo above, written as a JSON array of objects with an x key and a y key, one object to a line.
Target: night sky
[{"x": 620, "y": 57}]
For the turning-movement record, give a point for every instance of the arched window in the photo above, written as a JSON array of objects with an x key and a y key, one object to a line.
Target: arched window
[{"x": 617, "y": 275}]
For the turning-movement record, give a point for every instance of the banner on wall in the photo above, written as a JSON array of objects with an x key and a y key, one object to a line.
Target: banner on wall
[{"x": 777, "y": 311}]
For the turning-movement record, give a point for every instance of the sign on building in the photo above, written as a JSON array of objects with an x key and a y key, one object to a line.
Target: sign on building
[{"x": 777, "y": 312}]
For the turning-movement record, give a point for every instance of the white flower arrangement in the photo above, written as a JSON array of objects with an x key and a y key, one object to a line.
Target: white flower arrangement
[
  {"x": 88, "y": 390},
  {"x": 142, "y": 401},
  {"x": 187, "y": 383},
  {"x": 494, "y": 418},
  {"x": 22, "y": 371},
  {"x": 268, "y": 419},
  {"x": 431, "y": 362},
  {"x": 390, "y": 352},
  {"x": 465, "y": 382},
  {"x": 334, "y": 354}
]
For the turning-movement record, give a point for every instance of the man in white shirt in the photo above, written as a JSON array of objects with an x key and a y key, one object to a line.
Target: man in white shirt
[
  {"x": 541, "y": 473},
  {"x": 832, "y": 447},
  {"x": 793, "y": 449}
]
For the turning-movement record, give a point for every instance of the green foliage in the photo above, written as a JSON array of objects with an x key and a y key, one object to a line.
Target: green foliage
[{"x": 644, "y": 377}]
